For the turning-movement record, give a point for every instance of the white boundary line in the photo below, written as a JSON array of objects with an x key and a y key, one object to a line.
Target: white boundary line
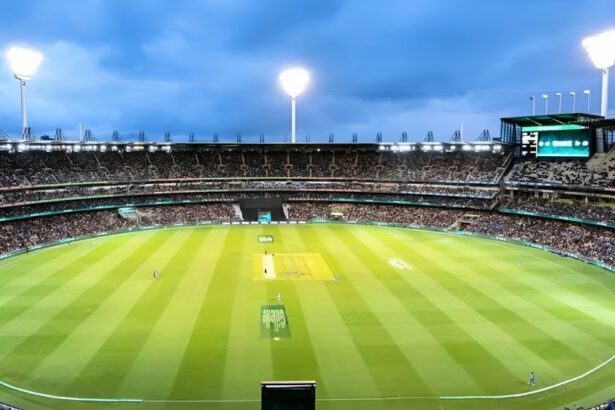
[
  {"x": 68, "y": 398},
  {"x": 396, "y": 398},
  {"x": 532, "y": 392}
]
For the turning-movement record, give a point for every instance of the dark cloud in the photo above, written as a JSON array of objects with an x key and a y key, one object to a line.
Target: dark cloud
[{"x": 211, "y": 66}]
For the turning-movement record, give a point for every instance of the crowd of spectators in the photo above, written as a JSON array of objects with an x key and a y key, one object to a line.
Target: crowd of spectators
[
  {"x": 573, "y": 209},
  {"x": 145, "y": 198},
  {"x": 20, "y": 196},
  {"x": 558, "y": 173},
  {"x": 313, "y": 179},
  {"x": 26, "y": 233},
  {"x": 42, "y": 168},
  {"x": 581, "y": 240},
  {"x": 418, "y": 216}
]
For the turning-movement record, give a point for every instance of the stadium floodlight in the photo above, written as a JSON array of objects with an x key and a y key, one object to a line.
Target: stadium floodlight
[
  {"x": 24, "y": 62},
  {"x": 601, "y": 50},
  {"x": 546, "y": 98},
  {"x": 586, "y": 93},
  {"x": 294, "y": 81},
  {"x": 574, "y": 100},
  {"x": 559, "y": 95},
  {"x": 533, "y": 105}
]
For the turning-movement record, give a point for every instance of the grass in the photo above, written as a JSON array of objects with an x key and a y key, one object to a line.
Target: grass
[{"x": 415, "y": 315}]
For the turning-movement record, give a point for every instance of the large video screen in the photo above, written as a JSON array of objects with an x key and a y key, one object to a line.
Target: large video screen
[
  {"x": 574, "y": 143},
  {"x": 571, "y": 141},
  {"x": 264, "y": 216}
]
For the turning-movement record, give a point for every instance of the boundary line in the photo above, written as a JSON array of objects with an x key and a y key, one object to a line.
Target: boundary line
[
  {"x": 532, "y": 392},
  {"x": 68, "y": 398},
  {"x": 493, "y": 397}
]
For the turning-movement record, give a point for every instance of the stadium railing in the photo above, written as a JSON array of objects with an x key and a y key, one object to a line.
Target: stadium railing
[{"x": 555, "y": 217}]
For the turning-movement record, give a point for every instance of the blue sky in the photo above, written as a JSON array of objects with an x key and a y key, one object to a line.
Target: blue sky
[{"x": 377, "y": 65}]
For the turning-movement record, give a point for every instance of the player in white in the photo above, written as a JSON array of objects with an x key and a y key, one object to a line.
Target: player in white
[{"x": 279, "y": 297}]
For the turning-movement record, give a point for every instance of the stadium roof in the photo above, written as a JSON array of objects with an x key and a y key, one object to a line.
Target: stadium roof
[
  {"x": 552, "y": 119},
  {"x": 598, "y": 122}
]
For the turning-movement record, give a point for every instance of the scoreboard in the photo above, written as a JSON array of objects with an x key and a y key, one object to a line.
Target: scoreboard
[{"x": 566, "y": 140}]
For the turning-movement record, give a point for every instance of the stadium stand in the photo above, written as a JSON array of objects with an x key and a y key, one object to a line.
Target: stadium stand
[
  {"x": 575, "y": 209},
  {"x": 32, "y": 168},
  {"x": 48, "y": 196},
  {"x": 563, "y": 173}
]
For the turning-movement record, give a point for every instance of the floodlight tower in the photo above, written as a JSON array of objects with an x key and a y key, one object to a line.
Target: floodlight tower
[
  {"x": 24, "y": 62},
  {"x": 601, "y": 50},
  {"x": 573, "y": 94},
  {"x": 294, "y": 81},
  {"x": 533, "y": 105},
  {"x": 586, "y": 93},
  {"x": 559, "y": 95},
  {"x": 546, "y": 98}
]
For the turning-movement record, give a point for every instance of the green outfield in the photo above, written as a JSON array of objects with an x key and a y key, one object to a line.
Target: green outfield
[{"x": 382, "y": 318}]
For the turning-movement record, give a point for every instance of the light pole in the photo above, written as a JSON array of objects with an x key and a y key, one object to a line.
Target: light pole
[
  {"x": 559, "y": 95},
  {"x": 533, "y": 105},
  {"x": 24, "y": 63},
  {"x": 586, "y": 93},
  {"x": 546, "y": 98},
  {"x": 574, "y": 100},
  {"x": 294, "y": 81},
  {"x": 601, "y": 50}
]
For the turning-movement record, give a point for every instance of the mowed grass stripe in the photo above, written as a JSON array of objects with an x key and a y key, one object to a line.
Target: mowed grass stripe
[
  {"x": 581, "y": 309},
  {"x": 125, "y": 284},
  {"x": 533, "y": 281},
  {"x": 554, "y": 339},
  {"x": 41, "y": 283},
  {"x": 555, "y": 279},
  {"x": 63, "y": 288},
  {"x": 109, "y": 365},
  {"x": 581, "y": 277},
  {"x": 582, "y": 319},
  {"x": 391, "y": 370},
  {"x": 585, "y": 286},
  {"x": 293, "y": 358},
  {"x": 202, "y": 370},
  {"x": 455, "y": 351},
  {"x": 464, "y": 359},
  {"x": 32, "y": 350},
  {"x": 333, "y": 346},
  {"x": 21, "y": 271},
  {"x": 153, "y": 371},
  {"x": 501, "y": 345},
  {"x": 248, "y": 359},
  {"x": 492, "y": 313}
]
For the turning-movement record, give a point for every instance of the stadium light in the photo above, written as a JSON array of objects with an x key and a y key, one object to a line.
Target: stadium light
[
  {"x": 24, "y": 62},
  {"x": 533, "y": 105},
  {"x": 586, "y": 94},
  {"x": 546, "y": 98},
  {"x": 601, "y": 50},
  {"x": 574, "y": 100},
  {"x": 294, "y": 81},
  {"x": 559, "y": 95}
]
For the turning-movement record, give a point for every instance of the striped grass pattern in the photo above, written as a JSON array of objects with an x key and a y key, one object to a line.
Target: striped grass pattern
[{"x": 412, "y": 316}]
